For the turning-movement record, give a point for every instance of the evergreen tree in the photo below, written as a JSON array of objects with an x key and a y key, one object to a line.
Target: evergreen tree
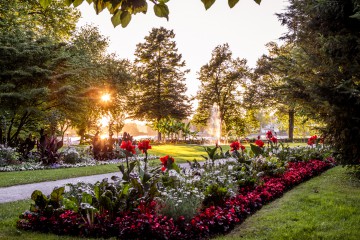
[
  {"x": 221, "y": 81},
  {"x": 160, "y": 79},
  {"x": 326, "y": 59}
]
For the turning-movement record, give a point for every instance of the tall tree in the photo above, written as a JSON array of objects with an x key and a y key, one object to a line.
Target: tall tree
[
  {"x": 57, "y": 21},
  {"x": 221, "y": 81},
  {"x": 269, "y": 83},
  {"x": 160, "y": 79},
  {"x": 327, "y": 55},
  {"x": 31, "y": 72}
]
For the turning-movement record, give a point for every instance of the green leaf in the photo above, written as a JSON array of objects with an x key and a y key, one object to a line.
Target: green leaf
[
  {"x": 115, "y": 19},
  {"x": 105, "y": 202},
  {"x": 125, "y": 18},
  {"x": 256, "y": 149},
  {"x": 258, "y": 1},
  {"x": 161, "y": 10},
  {"x": 97, "y": 191},
  {"x": 86, "y": 198},
  {"x": 77, "y": 2},
  {"x": 68, "y": 2},
  {"x": 57, "y": 194},
  {"x": 89, "y": 1},
  {"x": 99, "y": 6},
  {"x": 39, "y": 198},
  {"x": 69, "y": 205},
  {"x": 232, "y": 3},
  {"x": 356, "y": 15},
  {"x": 208, "y": 3},
  {"x": 45, "y": 3}
]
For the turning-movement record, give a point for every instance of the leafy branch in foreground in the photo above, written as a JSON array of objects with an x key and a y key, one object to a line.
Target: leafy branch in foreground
[{"x": 122, "y": 11}]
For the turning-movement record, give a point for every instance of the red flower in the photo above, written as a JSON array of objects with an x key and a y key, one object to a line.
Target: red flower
[
  {"x": 312, "y": 140},
  {"x": 269, "y": 135},
  {"x": 127, "y": 145},
  {"x": 165, "y": 160},
  {"x": 259, "y": 143},
  {"x": 144, "y": 145},
  {"x": 235, "y": 146},
  {"x": 274, "y": 139}
]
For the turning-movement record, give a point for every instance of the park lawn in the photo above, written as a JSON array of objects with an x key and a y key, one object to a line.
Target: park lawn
[
  {"x": 24, "y": 177},
  {"x": 325, "y": 207},
  {"x": 182, "y": 152}
]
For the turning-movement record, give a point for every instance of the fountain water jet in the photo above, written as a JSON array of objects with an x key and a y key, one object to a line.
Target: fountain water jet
[{"x": 214, "y": 123}]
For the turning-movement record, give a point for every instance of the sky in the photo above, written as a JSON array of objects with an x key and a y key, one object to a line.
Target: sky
[{"x": 246, "y": 28}]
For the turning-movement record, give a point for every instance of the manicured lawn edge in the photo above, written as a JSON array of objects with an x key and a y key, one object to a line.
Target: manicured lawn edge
[{"x": 325, "y": 207}]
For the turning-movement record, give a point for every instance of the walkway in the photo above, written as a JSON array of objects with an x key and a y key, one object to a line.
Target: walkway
[{"x": 20, "y": 192}]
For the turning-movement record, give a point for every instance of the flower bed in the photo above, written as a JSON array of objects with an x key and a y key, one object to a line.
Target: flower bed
[{"x": 144, "y": 222}]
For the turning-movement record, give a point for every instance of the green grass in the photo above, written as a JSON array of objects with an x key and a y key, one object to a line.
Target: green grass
[
  {"x": 181, "y": 152},
  {"x": 23, "y": 177},
  {"x": 326, "y": 207},
  {"x": 9, "y": 213}
]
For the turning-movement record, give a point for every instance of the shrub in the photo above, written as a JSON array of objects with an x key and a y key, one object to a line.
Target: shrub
[{"x": 8, "y": 156}]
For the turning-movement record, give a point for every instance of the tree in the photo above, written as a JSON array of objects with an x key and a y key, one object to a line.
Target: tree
[
  {"x": 57, "y": 21},
  {"x": 327, "y": 56},
  {"x": 31, "y": 73},
  {"x": 268, "y": 83},
  {"x": 221, "y": 81},
  {"x": 122, "y": 11},
  {"x": 160, "y": 79}
]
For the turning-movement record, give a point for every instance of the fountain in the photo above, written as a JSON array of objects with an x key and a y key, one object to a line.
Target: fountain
[{"x": 214, "y": 124}]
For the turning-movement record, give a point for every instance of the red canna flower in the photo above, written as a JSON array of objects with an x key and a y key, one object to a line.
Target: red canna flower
[
  {"x": 144, "y": 145},
  {"x": 259, "y": 143},
  {"x": 312, "y": 140},
  {"x": 269, "y": 135},
  {"x": 127, "y": 145},
  {"x": 274, "y": 139},
  {"x": 165, "y": 160},
  {"x": 235, "y": 146}
]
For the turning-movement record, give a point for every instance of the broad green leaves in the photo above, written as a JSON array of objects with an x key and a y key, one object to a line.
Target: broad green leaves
[
  {"x": 232, "y": 3},
  {"x": 208, "y": 3},
  {"x": 161, "y": 10},
  {"x": 122, "y": 10},
  {"x": 121, "y": 17},
  {"x": 45, "y": 3}
]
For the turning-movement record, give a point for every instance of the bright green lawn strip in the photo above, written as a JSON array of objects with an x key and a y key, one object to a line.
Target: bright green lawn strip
[
  {"x": 9, "y": 213},
  {"x": 180, "y": 152},
  {"x": 326, "y": 207},
  {"x": 24, "y": 177}
]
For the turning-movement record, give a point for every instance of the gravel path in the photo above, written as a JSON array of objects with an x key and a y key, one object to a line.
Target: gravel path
[{"x": 20, "y": 192}]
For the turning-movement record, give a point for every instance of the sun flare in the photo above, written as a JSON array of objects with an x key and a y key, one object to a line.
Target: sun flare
[{"x": 105, "y": 97}]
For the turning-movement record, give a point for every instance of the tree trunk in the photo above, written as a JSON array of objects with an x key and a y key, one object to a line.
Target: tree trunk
[
  {"x": 291, "y": 124},
  {"x": 159, "y": 136}
]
